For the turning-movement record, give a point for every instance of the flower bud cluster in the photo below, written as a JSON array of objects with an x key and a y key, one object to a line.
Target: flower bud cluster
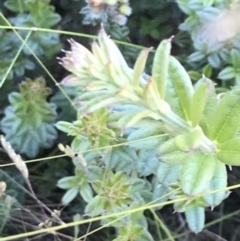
[{"x": 102, "y": 10}]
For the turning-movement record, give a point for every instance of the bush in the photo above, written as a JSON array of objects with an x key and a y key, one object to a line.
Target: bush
[{"x": 119, "y": 132}]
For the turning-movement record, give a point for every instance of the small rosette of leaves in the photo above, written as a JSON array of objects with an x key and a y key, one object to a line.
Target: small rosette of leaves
[
  {"x": 133, "y": 232},
  {"x": 90, "y": 128},
  {"x": 29, "y": 120},
  {"x": 113, "y": 191}
]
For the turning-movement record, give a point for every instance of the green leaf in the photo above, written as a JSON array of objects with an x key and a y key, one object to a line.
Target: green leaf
[
  {"x": 76, "y": 144},
  {"x": 195, "y": 218},
  {"x": 16, "y": 6},
  {"x": 194, "y": 75},
  {"x": 152, "y": 97},
  {"x": 120, "y": 160},
  {"x": 198, "y": 103},
  {"x": 94, "y": 207},
  {"x": 197, "y": 56},
  {"x": 167, "y": 147},
  {"x": 237, "y": 79},
  {"x": 53, "y": 19},
  {"x": 197, "y": 172},
  {"x": 66, "y": 127},
  {"x": 182, "y": 206},
  {"x": 86, "y": 193},
  {"x": 111, "y": 51},
  {"x": 97, "y": 186},
  {"x": 179, "y": 90},
  {"x": 235, "y": 56},
  {"x": 104, "y": 103},
  {"x": 136, "y": 215},
  {"x": 132, "y": 118},
  {"x": 210, "y": 106},
  {"x": 219, "y": 181},
  {"x": 189, "y": 141},
  {"x": 200, "y": 202},
  {"x": 212, "y": 100},
  {"x": 160, "y": 195},
  {"x": 161, "y": 65},
  {"x": 145, "y": 132},
  {"x": 204, "y": 125},
  {"x": 144, "y": 236},
  {"x": 15, "y": 98},
  {"x": 140, "y": 66},
  {"x": 227, "y": 73},
  {"x": 141, "y": 190},
  {"x": 183, "y": 5},
  {"x": 142, "y": 221},
  {"x": 67, "y": 182},
  {"x": 146, "y": 195},
  {"x": 168, "y": 174},
  {"x": 225, "y": 54},
  {"x": 133, "y": 232},
  {"x": 69, "y": 195},
  {"x": 147, "y": 162},
  {"x": 94, "y": 173},
  {"x": 229, "y": 152},
  {"x": 169, "y": 153},
  {"x": 112, "y": 221},
  {"x": 174, "y": 158},
  {"x": 214, "y": 60},
  {"x": 104, "y": 140},
  {"x": 208, "y": 2},
  {"x": 137, "y": 184},
  {"x": 224, "y": 123},
  {"x": 207, "y": 71},
  {"x": 43, "y": 14}
]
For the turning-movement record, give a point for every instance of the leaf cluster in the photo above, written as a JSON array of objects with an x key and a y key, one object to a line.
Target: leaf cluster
[
  {"x": 29, "y": 120},
  {"x": 201, "y": 128},
  {"x": 27, "y": 13},
  {"x": 215, "y": 36}
]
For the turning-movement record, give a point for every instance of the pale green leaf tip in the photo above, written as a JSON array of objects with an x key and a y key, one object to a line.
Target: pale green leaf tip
[{"x": 171, "y": 38}]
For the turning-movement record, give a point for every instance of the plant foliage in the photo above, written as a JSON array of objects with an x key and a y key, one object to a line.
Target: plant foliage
[
  {"x": 195, "y": 122},
  {"x": 29, "y": 120},
  {"x": 139, "y": 132},
  {"x": 207, "y": 22},
  {"x": 30, "y": 13}
]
